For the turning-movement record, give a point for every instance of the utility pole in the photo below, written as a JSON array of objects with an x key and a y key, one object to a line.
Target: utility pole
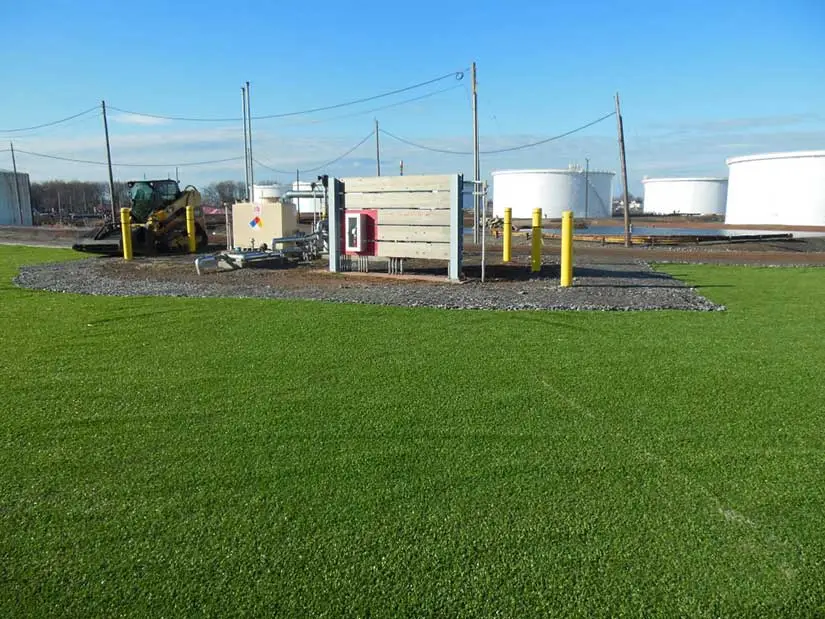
[
  {"x": 476, "y": 162},
  {"x": 245, "y": 145},
  {"x": 177, "y": 175},
  {"x": 109, "y": 162},
  {"x": 251, "y": 160},
  {"x": 377, "y": 150},
  {"x": 16, "y": 185},
  {"x": 401, "y": 168},
  {"x": 627, "y": 241},
  {"x": 586, "y": 184}
]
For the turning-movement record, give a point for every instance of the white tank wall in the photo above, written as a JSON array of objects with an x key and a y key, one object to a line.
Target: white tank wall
[
  {"x": 309, "y": 205},
  {"x": 267, "y": 193},
  {"x": 777, "y": 189},
  {"x": 685, "y": 196},
  {"x": 9, "y": 212},
  {"x": 587, "y": 194}
]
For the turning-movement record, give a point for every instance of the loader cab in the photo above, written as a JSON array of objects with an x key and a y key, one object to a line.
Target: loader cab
[{"x": 146, "y": 197}]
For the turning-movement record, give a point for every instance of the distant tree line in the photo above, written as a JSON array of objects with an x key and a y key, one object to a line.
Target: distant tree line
[{"x": 73, "y": 198}]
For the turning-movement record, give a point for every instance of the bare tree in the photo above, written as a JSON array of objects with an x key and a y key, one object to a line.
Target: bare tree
[{"x": 224, "y": 192}]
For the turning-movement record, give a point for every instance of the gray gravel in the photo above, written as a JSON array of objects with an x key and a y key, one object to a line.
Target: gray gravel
[{"x": 627, "y": 286}]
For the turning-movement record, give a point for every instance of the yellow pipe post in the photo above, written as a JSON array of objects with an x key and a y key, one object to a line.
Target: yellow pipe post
[
  {"x": 535, "y": 263},
  {"x": 567, "y": 249},
  {"x": 126, "y": 232},
  {"x": 508, "y": 233},
  {"x": 190, "y": 228}
]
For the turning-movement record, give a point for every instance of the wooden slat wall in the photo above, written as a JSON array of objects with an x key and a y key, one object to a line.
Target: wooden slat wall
[
  {"x": 413, "y": 217},
  {"x": 432, "y": 234},
  {"x": 432, "y": 251},
  {"x": 421, "y": 182},
  {"x": 406, "y": 199},
  {"x": 413, "y": 213}
]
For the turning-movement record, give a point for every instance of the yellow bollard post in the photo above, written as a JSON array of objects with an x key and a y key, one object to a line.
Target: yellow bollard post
[
  {"x": 126, "y": 232},
  {"x": 508, "y": 233},
  {"x": 535, "y": 263},
  {"x": 567, "y": 249},
  {"x": 190, "y": 229}
]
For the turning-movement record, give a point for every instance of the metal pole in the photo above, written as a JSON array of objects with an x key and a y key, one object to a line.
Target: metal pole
[
  {"x": 226, "y": 227},
  {"x": 251, "y": 160},
  {"x": 245, "y": 145},
  {"x": 401, "y": 168},
  {"x": 567, "y": 249},
  {"x": 535, "y": 250},
  {"x": 586, "y": 184},
  {"x": 476, "y": 163},
  {"x": 126, "y": 232},
  {"x": 377, "y": 150},
  {"x": 627, "y": 240},
  {"x": 508, "y": 234},
  {"x": 16, "y": 185},
  {"x": 483, "y": 197},
  {"x": 109, "y": 162}
]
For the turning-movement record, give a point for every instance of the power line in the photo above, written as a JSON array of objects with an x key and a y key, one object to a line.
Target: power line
[
  {"x": 498, "y": 150},
  {"x": 383, "y": 107},
  {"x": 52, "y": 123},
  {"x": 458, "y": 75},
  {"x": 324, "y": 165},
  {"x": 128, "y": 165},
  {"x": 551, "y": 139}
]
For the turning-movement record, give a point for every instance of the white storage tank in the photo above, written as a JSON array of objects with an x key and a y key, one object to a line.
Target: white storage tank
[
  {"x": 588, "y": 193},
  {"x": 312, "y": 200},
  {"x": 267, "y": 193},
  {"x": 685, "y": 196},
  {"x": 786, "y": 189},
  {"x": 10, "y": 211}
]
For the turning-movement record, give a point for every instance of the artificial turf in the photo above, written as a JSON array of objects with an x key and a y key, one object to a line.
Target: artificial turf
[{"x": 177, "y": 457}]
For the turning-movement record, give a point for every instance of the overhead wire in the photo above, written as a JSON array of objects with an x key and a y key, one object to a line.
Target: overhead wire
[
  {"x": 126, "y": 165},
  {"x": 458, "y": 75},
  {"x": 324, "y": 165},
  {"x": 497, "y": 150},
  {"x": 378, "y": 109},
  {"x": 51, "y": 123}
]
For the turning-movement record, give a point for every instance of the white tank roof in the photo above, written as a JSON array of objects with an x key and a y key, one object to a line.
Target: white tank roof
[
  {"x": 799, "y": 154},
  {"x": 695, "y": 179},
  {"x": 570, "y": 170}
]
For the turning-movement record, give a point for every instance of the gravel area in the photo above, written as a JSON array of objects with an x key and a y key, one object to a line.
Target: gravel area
[{"x": 631, "y": 285}]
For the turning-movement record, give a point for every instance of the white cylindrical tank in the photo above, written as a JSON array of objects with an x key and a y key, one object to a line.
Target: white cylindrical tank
[
  {"x": 9, "y": 208},
  {"x": 588, "y": 193},
  {"x": 312, "y": 201},
  {"x": 784, "y": 189},
  {"x": 267, "y": 193},
  {"x": 685, "y": 196}
]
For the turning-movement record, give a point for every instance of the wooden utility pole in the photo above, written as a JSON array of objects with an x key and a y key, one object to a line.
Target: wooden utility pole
[
  {"x": 16, "y": 185},
  {"x": 109, "y": 163},
  {"x": 476, "y": 162},
  {"x": 245, "y": 147},
  {"x": 377, "y": 150},
  {"x": 627, "y": 241}
]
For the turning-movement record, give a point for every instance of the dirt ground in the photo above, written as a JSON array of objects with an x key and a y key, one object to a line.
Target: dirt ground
[{"x": 795, "y": 252}]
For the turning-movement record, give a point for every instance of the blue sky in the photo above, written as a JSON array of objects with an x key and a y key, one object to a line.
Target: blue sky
[{"x": 700, "y": 81}]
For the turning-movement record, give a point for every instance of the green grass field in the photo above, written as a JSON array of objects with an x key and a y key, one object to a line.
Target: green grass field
[{"x": 207, "y": 457}]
